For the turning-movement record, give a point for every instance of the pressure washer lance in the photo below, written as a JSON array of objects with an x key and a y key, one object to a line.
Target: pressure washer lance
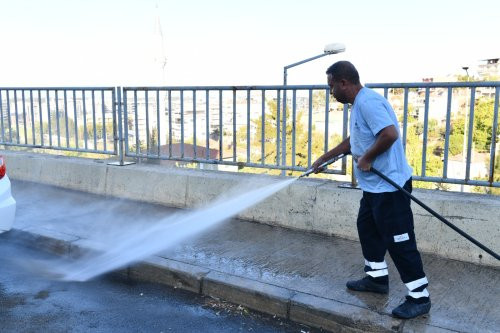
[
  {"x": 430, "y": 210},
  {"x": 424, "y": 206},
  {"x": 322, "y": 167}
]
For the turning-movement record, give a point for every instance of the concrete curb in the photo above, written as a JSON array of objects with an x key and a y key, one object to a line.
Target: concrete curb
[{"x": 318, "y": 312}]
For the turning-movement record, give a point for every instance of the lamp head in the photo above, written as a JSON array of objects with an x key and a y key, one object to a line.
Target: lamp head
[{"x": 334, "y": 48}]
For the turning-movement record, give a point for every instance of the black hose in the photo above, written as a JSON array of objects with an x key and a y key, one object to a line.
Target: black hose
[{"x": 430, "y": 210}]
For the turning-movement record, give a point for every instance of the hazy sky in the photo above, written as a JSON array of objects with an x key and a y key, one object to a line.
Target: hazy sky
[{"x": 233, "y": 42}]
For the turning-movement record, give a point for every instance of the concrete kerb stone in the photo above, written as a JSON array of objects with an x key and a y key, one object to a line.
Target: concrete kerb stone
[
  {"x": 419, "y": 326},
  {"x": 252, "y": 294},
  {"x": 169, "y": 272},
  {"x": 339, "y": 317},
  {"x": 48, "y": 240}
]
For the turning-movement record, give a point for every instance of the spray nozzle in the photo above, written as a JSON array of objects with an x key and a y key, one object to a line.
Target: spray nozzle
[{"x": 324, "y": 165}]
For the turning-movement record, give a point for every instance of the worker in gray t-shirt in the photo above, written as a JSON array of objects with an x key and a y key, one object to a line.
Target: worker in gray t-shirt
[{"x": 385, "y": 219}]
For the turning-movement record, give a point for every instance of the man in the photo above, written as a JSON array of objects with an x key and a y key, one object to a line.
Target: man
[{"x": 385, "y": 219}]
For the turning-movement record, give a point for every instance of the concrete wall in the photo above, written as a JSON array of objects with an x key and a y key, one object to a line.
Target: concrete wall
[{"x": 308, "y": 204}]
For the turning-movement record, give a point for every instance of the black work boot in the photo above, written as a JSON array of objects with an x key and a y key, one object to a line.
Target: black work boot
[
  {"x": 412, "y": 307},
  {"x": 366, "y": 284}
]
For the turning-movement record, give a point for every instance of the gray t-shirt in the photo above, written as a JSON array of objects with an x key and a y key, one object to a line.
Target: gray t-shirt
[{"x": 370, "y": 114}]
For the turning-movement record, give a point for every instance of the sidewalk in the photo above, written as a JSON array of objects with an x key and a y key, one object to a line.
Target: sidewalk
[{"x": 292, "y": 274}]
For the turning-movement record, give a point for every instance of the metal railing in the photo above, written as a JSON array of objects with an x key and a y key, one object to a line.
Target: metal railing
[
  {"x": 70, "y": 119},
  {"x": 241, "y": 126},
  {"x": 456, "y": 102},
  {"x": 449, "y": 130}
]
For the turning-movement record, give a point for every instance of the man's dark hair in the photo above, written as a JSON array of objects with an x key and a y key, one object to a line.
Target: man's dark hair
[{"x": 344, "y": 70}]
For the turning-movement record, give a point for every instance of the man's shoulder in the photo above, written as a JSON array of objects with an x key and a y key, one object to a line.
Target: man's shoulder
[
  {"x": 370, "y": 99},
  {"x": 370, "y": 94}
]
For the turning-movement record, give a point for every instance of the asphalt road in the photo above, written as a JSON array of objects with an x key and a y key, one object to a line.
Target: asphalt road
[{"x": 30, "y": 303}]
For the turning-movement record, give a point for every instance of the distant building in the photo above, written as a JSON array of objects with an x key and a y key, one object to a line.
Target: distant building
[{"x": 489, "y": 69}]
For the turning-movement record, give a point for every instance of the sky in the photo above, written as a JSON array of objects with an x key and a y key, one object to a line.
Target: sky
[{"x": 234, "y": 42}]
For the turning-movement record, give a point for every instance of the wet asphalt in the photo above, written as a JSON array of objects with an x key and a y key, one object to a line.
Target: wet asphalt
[{"x": 30, "y": 303}]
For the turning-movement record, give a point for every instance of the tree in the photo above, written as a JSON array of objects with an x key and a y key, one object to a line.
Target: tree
[
  {"x": 483, "y": 124},
  {"x": 301, "y": 139}
]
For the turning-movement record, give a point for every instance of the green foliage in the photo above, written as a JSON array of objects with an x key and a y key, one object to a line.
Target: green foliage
[
  {"x": 270, "y": 139},
  {"x": 483, "y": 124},
  {"x": 456, "y": 144},
  {"x": 98, "y": 130}
]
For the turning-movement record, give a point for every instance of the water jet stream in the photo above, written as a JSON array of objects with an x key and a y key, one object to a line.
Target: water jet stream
[{"x": 131, "y": 246}]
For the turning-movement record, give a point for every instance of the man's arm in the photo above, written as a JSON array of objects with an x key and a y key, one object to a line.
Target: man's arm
[
  {"x": 385, "y": 138},
  {"x": 343, "y": 148}
]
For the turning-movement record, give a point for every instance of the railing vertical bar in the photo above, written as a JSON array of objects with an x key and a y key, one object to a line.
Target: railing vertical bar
[
  {"x": 309, "y": 130},
  {"x": 49, "y": 119},
  {"x": 94, "y": 127},
  {"x": 207, "y": 124},
  {"x": 471, "y": 129},
  {"x": 104, "y": 137},
  {"x": 137, "y": 141},
  {"x": 283, "y": 132},
  {"x": 447, "y": 133},
  {"x": 76, "y": 119},
  {"x": 158, "y": 123},
  {"x": 182, "y": 123},
  {"x": 85, "y": 131},
  {"x": 493, "y": 137},
  {"x": 405, "y": 118},
  {"x": 66, "y": 116},
  {"x": 194, "y": 124},
  {"x": 32, "y": 117},
  {"x": 327, "y": 117},
  {"x": 169, "y": 123},
  {"x": 234, "y": 125},
  {"x": 115, "y": 102},
  {"x": 263, "y": 146},
  {"x": 24, "y": 117},
  {"x": 146, "y": 104},
  {"x": 1, "y": 116},
  {"x": 220, "y": 126},
  {"x": 344, "y": 132},
  {"x": 40, "y": 115},
  {"x": 124, "y": 103},
  {"x": 294, "y": 126},
  {"x": 17, "y": 116},
  {"x": 58, "y": 129},
  {"x": 9, "y": 115},
  {"x": 386, "y": 92},
  {"x": 248, "y": 125},
  {"x": 426, "y": 123},
  {"x": 278, "y": 124},
  {"x": 120, "y": 124}
]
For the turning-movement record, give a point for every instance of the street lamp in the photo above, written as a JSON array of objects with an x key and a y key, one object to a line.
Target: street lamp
[
  {"x": 466, "y": 69},
  {"x": 332, "y": 48}
]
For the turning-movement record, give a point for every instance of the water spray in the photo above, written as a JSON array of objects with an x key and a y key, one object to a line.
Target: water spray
[{"x": 323, "y": 166}]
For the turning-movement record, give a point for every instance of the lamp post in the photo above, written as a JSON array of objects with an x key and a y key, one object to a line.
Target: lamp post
[
  {"x": 466, "y": 69},
  {"x": 332, "y": 48}
]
